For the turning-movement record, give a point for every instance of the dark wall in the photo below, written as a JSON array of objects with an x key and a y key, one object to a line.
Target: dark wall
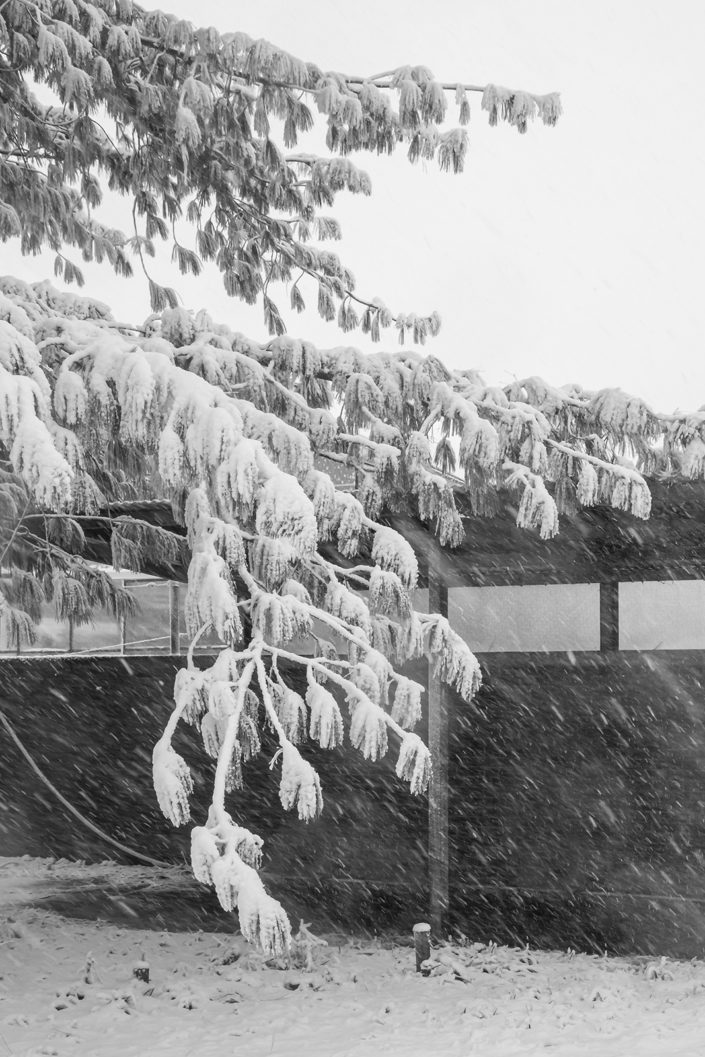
[
  {"x": 577, "y": 799},
  {"x": 90, "y": 724},
  {"x": 597, "y": 544},
  {"x": 578, "y": 803}
]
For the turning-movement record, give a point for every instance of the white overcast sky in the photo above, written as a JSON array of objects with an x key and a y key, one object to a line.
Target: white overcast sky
[{"x": 574, "y": 252}]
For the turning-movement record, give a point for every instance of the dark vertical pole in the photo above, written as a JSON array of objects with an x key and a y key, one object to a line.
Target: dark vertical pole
[
  {"x": 174, "y": 618},
  {"x": 422, "y": 944},
  {"x": 438, "y": 790},
  {"x": 609, "y": 616}
]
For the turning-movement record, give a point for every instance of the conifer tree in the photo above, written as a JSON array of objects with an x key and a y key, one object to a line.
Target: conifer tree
[{"x": 237, "y": 434}]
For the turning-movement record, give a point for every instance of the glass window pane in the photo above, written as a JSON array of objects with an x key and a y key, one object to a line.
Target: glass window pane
[
  {"x": 542, "y": 618},
  {"x": 102, "y": 636},
  {"x": 52, "y": 634},
  {"x": 148, "y": 630},
  {"x": 419, "y": 599},
  {"x": 208, "y": 642},
  {"x": 659, "y": 615}
]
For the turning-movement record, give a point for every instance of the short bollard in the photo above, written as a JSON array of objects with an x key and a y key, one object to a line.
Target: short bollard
[
  {"x": 140, "y": 971},
  {"x": 422, "y": 944}
]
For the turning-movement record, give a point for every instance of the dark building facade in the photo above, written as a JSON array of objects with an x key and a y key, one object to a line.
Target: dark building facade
[{"x": 568, "y": 802}]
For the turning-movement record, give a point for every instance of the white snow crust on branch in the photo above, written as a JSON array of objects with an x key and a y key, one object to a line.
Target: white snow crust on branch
[{"x": 235, "y": 435}]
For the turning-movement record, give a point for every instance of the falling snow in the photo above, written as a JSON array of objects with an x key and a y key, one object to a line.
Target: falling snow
[{"x": 68, "y": 986}]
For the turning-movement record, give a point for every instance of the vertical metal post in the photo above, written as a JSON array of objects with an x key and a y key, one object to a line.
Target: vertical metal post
[
  {"x": 438, "y": 789},
  {"x": 174, "y": 646},
  {"x": 609, "y": 616},
  {"x": 123, "y": 626},
  {"x": 422, "y": 944}
]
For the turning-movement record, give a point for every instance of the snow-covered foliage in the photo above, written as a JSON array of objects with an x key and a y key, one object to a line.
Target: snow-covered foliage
[
  {"x": 93, "y": 412},
  {"x": 193, "y": 116},
  {"x": 302, "y": 580}
]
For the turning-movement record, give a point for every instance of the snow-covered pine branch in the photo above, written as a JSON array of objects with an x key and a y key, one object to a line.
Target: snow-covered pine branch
[
  {"x": 158, "y": 103},
  {"x": 181, "y": 408}
]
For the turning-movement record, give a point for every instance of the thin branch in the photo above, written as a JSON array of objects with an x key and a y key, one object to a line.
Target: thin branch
[
  {"x": 15, "y": 531},
  {"x": 226, "y": 749},
  {"x": 612, "y": 467},
  {"x": 345, "y": 684}
]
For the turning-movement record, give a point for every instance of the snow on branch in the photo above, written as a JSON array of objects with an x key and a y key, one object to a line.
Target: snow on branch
[
  {"x": 25, "y": 433},
  {"x": 537, "y": 508},
  {"x": 17, "y": 629},
  {"x": 619, "y": 485},
  {"x": 414, "y": 763},
  {"x": 452, "y": 660},
  {"x": 213, "y": 139},
  {"x": 326, "y": 725},
  {"x": 172, "y": 783},
  {"x": 392, "y": 552},
  {"x": 299, "y": 785},
  {"x": 309, "y": 592},
  {"x": 519, "y": 108}
]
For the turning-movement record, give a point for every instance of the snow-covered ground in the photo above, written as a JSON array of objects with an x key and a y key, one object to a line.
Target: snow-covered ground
[{"x": 67, "y": 987}]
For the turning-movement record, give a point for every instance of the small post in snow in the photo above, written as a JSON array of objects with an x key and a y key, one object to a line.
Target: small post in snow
[
  {"x": 422, "y": 944},
  {"x": 140, "y": 970}
]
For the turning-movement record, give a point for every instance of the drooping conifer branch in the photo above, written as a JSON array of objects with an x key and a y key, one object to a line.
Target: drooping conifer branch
[
  {"x": 190, "y": 398},
  {"x": 187, "y": 121}
]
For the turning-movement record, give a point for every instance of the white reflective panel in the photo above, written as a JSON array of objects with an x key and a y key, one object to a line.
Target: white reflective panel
[
  {"x": 662, "y": 615},
  {"x": 419, "y": 599},
  {"x": 534, "y": 618},
  {"x": 148, "y": 630}
]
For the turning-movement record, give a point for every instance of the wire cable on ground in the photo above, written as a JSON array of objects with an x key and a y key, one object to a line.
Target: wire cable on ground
[
  {"x": 599, "y": 894},
  {"x": 69, "y": 807}
]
